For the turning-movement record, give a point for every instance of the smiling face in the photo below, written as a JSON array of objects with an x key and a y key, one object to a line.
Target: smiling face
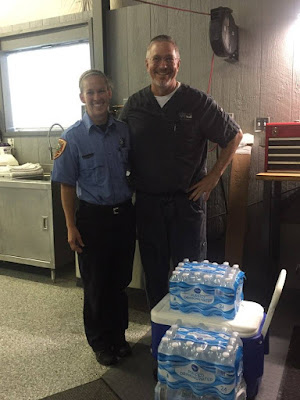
[
  {"x": 162, "y": 62},
  {"x": 96, "y": 94}
]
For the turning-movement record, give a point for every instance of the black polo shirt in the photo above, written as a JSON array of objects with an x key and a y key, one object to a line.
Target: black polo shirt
[{"x": 169, "y": 144}]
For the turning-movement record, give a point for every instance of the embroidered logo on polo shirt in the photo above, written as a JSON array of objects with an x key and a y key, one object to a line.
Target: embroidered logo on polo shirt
[
  {"x": 185, "y": 116},
  {"x": 60, "y": 148}
]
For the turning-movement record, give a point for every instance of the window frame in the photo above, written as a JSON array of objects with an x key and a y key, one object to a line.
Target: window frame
[{"x": 52, "y": 34}]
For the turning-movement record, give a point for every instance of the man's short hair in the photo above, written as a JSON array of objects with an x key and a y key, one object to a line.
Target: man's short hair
[
  {"x": 91, "y": 72},
  {"x": 163, "y": 38}
]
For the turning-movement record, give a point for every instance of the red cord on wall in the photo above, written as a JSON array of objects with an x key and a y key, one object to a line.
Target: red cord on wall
[{"x": 172, "y": 8}]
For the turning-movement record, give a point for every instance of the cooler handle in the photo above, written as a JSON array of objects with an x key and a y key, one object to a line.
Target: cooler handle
[{"x": 274, "y": 301}]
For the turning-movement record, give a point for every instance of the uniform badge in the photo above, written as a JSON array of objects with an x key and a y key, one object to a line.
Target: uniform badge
[{"x": 60, "y": 148}]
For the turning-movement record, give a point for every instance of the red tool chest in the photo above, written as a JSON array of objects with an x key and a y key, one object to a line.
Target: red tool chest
[{"x": 282, "y": 149}]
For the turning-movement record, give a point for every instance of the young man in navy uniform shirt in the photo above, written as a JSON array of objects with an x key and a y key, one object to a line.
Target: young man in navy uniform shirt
[
  {"x": 170, "y": 125},
  {"x": 91, "y": 162}
]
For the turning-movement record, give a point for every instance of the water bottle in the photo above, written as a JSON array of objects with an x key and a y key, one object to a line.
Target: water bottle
[
  {"x": 218, "y": 280},
  {"x": 185, "y": 278},
  {"x": 188, "y": 349},
  {"x": 199, "y": 353},
  {"x": 208, "y": 279},
  {"x": 175, "y": 277},
  {"x": 199, "y": 280},
  {"x": 212, "y": 354},
  {"x": 222, "y": 360},
  {"x": 165, "y": 346}
]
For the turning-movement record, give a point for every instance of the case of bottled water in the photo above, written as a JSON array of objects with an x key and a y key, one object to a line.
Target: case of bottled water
[
  {"x": 210, "y": 289},
  {"x": 203, "y": 361}
]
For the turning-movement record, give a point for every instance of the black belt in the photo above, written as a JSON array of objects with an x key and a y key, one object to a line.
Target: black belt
[{"x": 116, "y": 209}]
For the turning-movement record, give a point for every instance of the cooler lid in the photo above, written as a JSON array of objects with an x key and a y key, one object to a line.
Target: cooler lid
[{"x": 246, "y": 322}]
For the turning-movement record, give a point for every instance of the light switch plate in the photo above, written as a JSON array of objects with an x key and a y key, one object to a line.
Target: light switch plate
[{"x": 260, "y": 123}]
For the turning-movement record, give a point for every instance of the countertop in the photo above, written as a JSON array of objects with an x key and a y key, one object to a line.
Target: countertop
[{"x": 43, "y": 182}]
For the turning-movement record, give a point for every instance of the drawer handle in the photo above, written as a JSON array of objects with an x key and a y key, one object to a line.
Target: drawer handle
[{"x": 45, "y": 223}]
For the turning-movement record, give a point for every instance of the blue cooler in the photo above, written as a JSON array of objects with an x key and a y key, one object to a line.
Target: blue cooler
[{"x": 248, "y": 322}]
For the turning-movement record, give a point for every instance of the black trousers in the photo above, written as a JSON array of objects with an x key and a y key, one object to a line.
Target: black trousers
[
  {"x": 106, "y": 270},
  {"x": 170, "y": 228}
]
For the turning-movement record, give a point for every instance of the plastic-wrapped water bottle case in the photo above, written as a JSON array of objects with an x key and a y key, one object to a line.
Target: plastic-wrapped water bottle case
[
  {"x": 210, "y": 289},
  {"x": 196, "y": 363}
]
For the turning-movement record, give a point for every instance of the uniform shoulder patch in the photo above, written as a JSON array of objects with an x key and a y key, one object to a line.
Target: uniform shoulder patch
[{"x": 60, "y": 148}]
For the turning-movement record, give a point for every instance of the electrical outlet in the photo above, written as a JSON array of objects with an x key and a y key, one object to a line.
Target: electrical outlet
[
  {"x": 11, "y": 142},
  {"x": 260, "y": 123}
]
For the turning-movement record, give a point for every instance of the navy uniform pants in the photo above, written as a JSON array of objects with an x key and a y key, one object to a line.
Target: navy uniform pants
[
  {"x": 105, "y": 264},
  {"x": 170, "y": 228}
]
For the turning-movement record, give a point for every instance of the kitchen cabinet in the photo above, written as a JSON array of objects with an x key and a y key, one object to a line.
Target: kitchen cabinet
[{"x": 32, "y": 224}]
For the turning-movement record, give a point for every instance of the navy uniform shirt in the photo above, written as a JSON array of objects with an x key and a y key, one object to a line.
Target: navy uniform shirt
[
  {"x": 169, "y": 144},
  {"x": 95, "y": 161}
]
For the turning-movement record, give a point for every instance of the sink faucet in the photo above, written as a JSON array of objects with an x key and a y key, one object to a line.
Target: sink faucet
[{"x": 50, "y": 129}]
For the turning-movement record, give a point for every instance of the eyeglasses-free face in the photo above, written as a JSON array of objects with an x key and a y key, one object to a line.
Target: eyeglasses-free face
[
  {"x": 96, "y": 96},
  {"x": 162, "y": 64}
]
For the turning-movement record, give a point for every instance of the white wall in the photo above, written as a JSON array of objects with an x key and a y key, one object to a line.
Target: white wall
[{"x": 21, "y": 11}]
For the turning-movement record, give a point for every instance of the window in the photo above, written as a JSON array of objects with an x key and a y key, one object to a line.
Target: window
[{"x": 39, "y": 75}]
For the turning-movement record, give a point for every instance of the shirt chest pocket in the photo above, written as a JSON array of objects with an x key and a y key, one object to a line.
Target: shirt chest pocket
[{"x": 92, "y": 169}]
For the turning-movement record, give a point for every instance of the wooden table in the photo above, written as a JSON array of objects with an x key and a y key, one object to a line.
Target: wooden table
[{"x": 271, "y": 220}]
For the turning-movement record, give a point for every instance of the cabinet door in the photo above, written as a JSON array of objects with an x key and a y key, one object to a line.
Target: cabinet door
[{"x": 26, "y": 225}]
